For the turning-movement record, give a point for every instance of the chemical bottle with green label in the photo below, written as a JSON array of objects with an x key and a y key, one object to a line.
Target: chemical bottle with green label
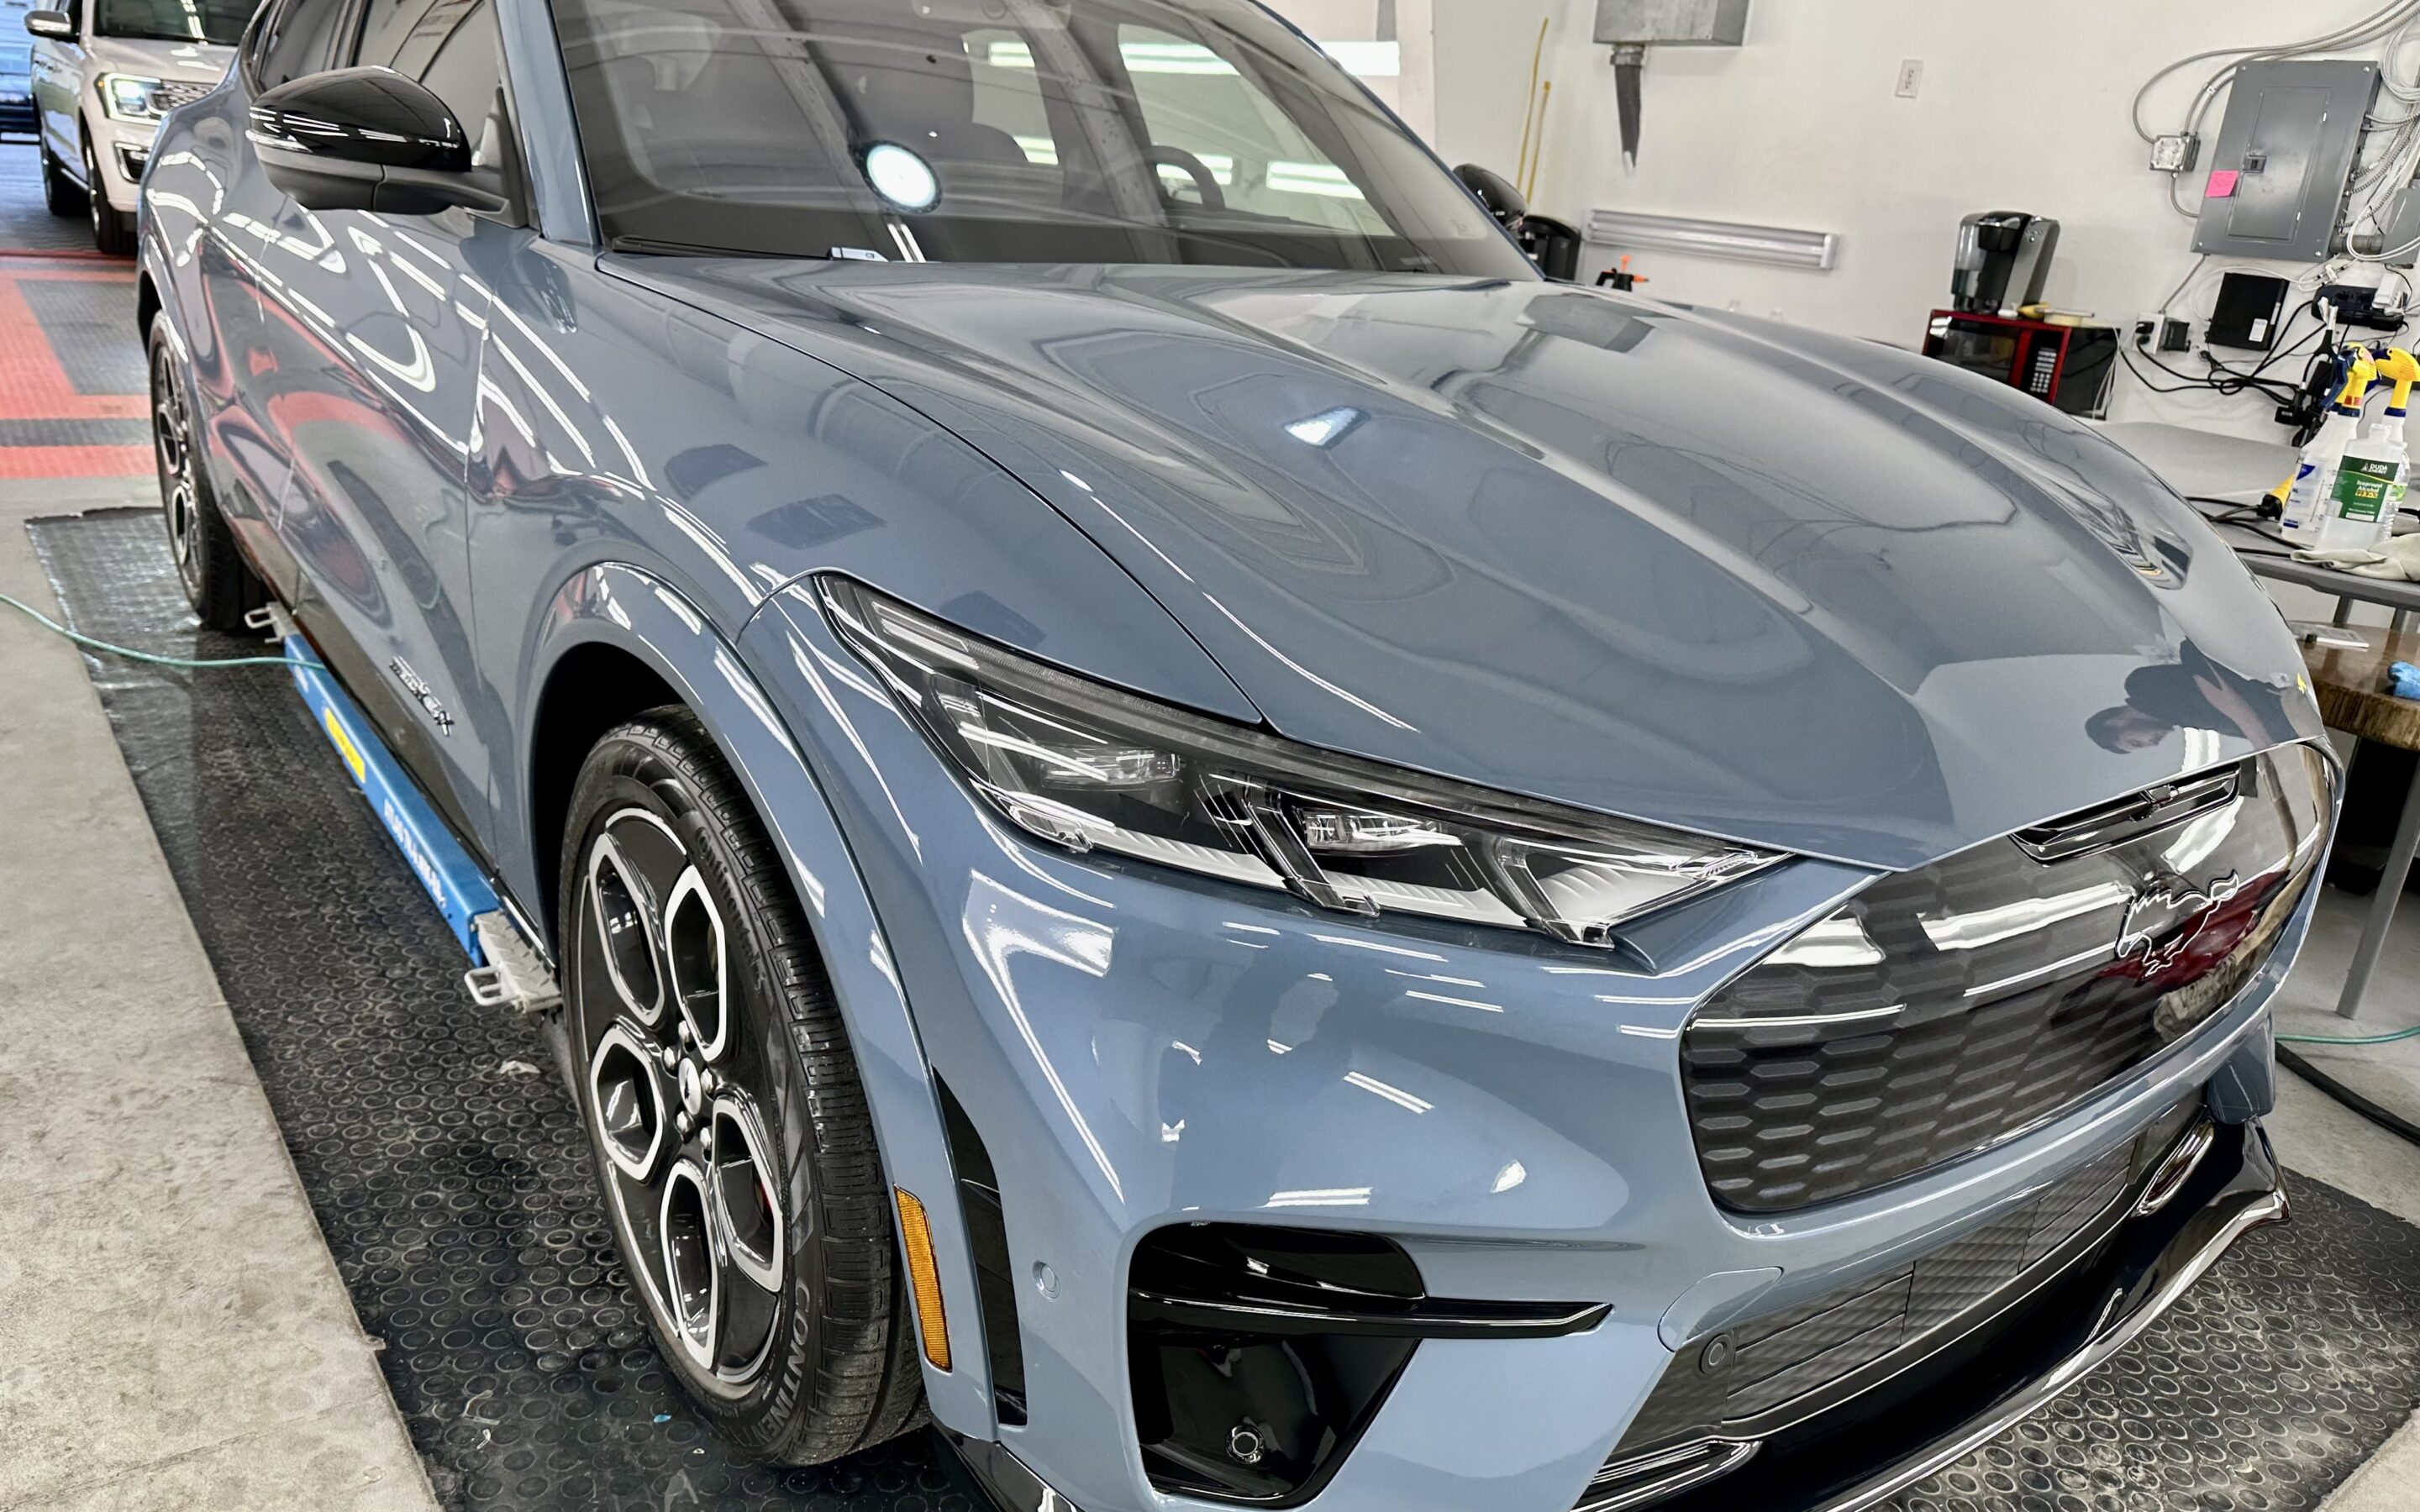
[
  {"x": 2372, "y": 474},
  {"x": 2314, "y": 476}
]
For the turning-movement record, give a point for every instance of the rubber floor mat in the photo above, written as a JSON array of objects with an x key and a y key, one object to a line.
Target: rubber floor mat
[{"x": 450, "y": 1176}]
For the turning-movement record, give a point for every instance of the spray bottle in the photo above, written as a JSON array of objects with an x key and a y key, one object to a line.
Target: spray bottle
[
  {"x": 2315, "y": 474},
  {"x": 2359, "y": 513}
]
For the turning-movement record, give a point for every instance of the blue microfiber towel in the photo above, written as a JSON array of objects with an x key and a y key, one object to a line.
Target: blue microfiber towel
[{"x": 2404, "y": 680}]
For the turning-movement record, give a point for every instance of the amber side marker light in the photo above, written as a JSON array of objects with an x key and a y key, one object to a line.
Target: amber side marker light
[{"x": 924, "y": 1277}]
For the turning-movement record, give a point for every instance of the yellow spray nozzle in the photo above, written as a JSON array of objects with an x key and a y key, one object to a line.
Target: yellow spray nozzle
[
  {"x": 2401, "y": 369},
  {"x": 2360, "y": 372}
]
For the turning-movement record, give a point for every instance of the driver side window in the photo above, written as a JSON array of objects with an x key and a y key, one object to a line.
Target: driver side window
[
  {"x": 452, "y": 46},
  {"x": 301, "y": 37}
]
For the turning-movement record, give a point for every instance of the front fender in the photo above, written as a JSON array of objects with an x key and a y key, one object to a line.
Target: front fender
[{"x": 627, "y": 609}]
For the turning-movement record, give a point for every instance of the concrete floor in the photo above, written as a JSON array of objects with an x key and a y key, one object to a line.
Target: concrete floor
[
  {"x": 171, "y": 1331},
  {"x": 172, "y": 1334}
]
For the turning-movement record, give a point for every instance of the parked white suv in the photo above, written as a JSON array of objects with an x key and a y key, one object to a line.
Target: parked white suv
[{"x": 105, "y": 72}]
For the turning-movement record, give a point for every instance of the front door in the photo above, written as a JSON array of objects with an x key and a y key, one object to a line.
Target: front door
[
  {"x": 58, "y": 70},
  {"x": 219, "y": 188},
  {"x": 376, "y": 329}
]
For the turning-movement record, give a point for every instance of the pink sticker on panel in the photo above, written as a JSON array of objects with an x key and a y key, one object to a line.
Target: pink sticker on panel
[{"x": 2222, "y": 184}]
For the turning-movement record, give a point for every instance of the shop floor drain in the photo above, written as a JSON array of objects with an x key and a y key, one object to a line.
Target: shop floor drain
[{"x": 448, "y": 1173}]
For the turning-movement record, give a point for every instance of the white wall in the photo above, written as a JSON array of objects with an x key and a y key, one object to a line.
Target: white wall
[{"x": 2022, "y": 107}]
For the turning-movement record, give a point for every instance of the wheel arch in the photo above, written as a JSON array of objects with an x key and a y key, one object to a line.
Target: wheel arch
[
  {"x": 616, "y": 642},
  {"x": 593, "y": 687}
]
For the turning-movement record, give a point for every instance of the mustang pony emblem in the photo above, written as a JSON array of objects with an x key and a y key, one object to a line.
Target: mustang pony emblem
[{"x": 2159, "y": 908}]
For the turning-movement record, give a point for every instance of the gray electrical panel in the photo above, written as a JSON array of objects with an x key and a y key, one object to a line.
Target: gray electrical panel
[
  {"x": 2275, "y": 184},
  {"x": 1672, "y": 23}
]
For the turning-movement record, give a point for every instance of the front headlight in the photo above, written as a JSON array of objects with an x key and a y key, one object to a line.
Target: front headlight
[
  {"x": 131, "y": 97},
  {"x": 1088, "y": 767}
]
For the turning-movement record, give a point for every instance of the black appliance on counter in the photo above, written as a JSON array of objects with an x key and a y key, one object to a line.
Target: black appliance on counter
[{"x": 2003, "y": 259}]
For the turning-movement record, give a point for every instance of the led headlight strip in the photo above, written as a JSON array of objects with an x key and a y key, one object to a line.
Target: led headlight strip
[
  {"x": 1090, "y": 767},
  {"x": 132, "y": 97}
]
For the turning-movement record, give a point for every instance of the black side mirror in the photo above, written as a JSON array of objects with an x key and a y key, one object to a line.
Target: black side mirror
[
  {"x": 55, "y": 24},
  {"x": 1495, "y": 190},
  {"x": 370, "y": 139}
]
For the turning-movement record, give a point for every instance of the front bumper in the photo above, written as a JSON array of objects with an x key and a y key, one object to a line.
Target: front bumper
[
  {"x": 2012, "y": 1361},
  {"x": 1967, "y": 1390},
  {"x": 124, "y": 148},
  {"x": 1140, "y": 1050}
]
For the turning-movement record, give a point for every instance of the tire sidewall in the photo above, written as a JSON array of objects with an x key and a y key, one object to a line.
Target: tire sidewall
[
  {"x": 95, "y": 197},
  {"x": 628, "y": 771},
  {"x": 221, "y": 585},
  {"x": 113, "y": 229},
  {"x": 60, "y": 195},
  {"x": 159, "y": 354}
]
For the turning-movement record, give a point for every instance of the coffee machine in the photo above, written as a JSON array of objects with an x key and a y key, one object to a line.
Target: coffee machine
[{"x": 2003, "y": 259}]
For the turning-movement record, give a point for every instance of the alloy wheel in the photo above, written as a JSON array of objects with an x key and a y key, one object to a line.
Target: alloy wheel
[
  {"x": 172, "y": 446},
  {"x": 681, "y": 1099}
]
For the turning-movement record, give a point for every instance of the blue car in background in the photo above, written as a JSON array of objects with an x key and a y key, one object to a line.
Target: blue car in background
[{"x": 1189, "y": 822}]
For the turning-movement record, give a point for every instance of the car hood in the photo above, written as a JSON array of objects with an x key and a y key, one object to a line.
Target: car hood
[
  {"x": 1798, "y": 591},
  {"x": 184, "y": 62}
]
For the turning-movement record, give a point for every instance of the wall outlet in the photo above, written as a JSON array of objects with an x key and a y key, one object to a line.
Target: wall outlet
[
  {"x": 2174, "y": 154},
  {"x": 1911, "y": 77}
]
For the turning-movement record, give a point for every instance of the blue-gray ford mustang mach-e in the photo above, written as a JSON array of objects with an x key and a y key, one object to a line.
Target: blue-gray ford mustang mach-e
[{"x": 1189, "y": 818}]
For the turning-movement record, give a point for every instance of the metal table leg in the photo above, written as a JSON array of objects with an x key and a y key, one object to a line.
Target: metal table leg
[
  {"x": 2344, "y": 611},
  {"x": 2382, "y": 908}
]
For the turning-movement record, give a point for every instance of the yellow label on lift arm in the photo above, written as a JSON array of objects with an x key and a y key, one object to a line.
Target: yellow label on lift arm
[{"x": 344, "y": 744}]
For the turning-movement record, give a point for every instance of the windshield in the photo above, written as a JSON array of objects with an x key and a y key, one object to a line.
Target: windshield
[
  {"x": 174, "y": 21},
  {"x": 1003, "y": 131}
]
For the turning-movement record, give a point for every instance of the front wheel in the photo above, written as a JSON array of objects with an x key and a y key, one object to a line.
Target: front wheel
[
  {"x": 218, "y": 582},
  {"x": 113, "y": 229},
  {"x": 60, "y": 194},
  {"x": 722, "y": 1106}
]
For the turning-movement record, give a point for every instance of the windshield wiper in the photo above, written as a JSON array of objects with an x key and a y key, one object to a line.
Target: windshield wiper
[{"x": 682, "y": 249}]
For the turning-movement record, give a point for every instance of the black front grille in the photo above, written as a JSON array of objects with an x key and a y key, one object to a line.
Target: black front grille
[{"x": 1942, "y": 1011}]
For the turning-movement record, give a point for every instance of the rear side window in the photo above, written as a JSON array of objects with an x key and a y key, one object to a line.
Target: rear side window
[{"x": 301, "y": 37}]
